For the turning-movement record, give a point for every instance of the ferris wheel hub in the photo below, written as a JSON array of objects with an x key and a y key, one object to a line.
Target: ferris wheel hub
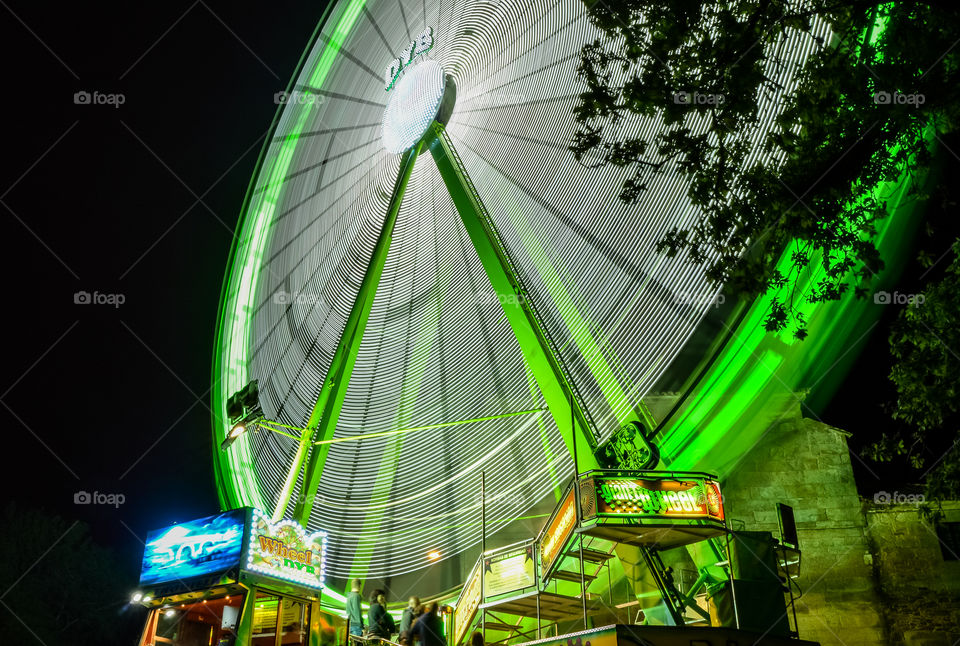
[{"x": 415, "y": 102}]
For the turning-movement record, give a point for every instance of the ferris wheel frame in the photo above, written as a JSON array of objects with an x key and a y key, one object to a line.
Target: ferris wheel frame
[{"x": 702, "y": 432}]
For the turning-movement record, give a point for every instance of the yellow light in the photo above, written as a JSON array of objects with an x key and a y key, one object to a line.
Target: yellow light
[
  {"x": 434, "y": 555},
  {"x": 237, "y": 431}
]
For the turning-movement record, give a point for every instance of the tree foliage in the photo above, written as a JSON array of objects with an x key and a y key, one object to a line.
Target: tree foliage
[
  {"x": 856, "y": 117},
  {"x": 61, "y": 587},
  {"x": 924, "y": 345}
]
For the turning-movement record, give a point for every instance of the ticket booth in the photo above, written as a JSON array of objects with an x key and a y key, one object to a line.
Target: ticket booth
[{"x": 236, "y": 579}]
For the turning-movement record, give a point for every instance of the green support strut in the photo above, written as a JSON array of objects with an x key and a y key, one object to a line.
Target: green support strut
[
  {"x": 535, "y": 344},
  {"x": 323, "y": 419}
]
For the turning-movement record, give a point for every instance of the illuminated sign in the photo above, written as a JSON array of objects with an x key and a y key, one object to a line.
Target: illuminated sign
[
  {"x": 421, "y": 45},
  {"x": 195, "y": 548},
  {"x": 467, "y": 606},
  {"x": 664, "y": 497},
  {"x": 284, "y": 550},
  {"x": 508, "y": 572},
  {"x": 555, "y": 537}
]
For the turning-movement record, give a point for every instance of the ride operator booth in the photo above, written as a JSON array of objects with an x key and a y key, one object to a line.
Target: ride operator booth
[{"x": 236, "y": 579}]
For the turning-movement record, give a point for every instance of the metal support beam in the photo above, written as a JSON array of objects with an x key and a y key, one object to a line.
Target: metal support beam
[
  {"x": 537, "y": 348},
  {"x": 323, "y": 419}
]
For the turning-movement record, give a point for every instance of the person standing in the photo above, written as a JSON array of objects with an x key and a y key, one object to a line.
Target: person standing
[
  {"x": 429, "y": 627},
  {"x": 380, "y": 622},
  {"x": 406, "y": 620},
  {"x": 354, "y": 610}
]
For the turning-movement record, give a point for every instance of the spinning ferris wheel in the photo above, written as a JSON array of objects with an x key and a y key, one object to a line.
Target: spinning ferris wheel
[{"x": 428, "y": 286}]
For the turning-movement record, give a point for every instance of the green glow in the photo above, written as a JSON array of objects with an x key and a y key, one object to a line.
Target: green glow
[
  {"x": 333, "y": 391},
  {"x": 412, "y": 380},
  {"x": 234, "y": 468},
  {"x": 535, "y": 346},
  {"x": 758, "y": 374},
  {"x": 724, "y": 417}
]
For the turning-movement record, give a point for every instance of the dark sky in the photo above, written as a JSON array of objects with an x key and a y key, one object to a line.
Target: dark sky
[{"x": 141, "y": 201}]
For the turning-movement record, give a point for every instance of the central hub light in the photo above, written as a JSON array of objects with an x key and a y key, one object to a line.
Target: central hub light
[{"x": 414, "y": 103}]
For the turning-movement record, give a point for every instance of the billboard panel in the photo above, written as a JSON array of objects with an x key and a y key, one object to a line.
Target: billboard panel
[{"x": 191, "y": 549}]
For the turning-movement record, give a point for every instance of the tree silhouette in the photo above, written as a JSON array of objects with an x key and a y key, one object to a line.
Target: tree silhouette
[{"x": 880, "y": 86}]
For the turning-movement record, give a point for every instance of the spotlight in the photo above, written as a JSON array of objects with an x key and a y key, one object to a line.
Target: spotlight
[
  {"x": 137, "y": 597},
  {"x": 434, "y": 555},
  {"x": 243, "y": 411}
]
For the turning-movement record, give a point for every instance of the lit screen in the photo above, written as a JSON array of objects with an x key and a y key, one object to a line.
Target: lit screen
[{"x": 194, "y": 548}]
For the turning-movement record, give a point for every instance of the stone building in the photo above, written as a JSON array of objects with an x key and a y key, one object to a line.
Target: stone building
[{"x": 871, "y": 572}]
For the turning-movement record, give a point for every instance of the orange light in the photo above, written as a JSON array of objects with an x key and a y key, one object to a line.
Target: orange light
[{"x": 434, "y": 555}]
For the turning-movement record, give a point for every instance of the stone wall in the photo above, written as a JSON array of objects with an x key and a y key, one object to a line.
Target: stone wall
[
  {"x": 919, "y": 589},
  {"x": 806, "y": 464}
]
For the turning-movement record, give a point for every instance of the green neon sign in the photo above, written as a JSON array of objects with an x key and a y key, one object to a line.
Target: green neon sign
[{"x": 422, "y": 44}]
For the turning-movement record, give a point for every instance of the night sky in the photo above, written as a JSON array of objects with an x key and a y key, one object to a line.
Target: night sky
[{"x": 140, "y": 202}]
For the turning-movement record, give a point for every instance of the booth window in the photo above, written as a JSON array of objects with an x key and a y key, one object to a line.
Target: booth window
[
  {"x": 265, "y": 612},
  {"x": 198, "y": 624},
  {"x": 273, "y": 616},
  {"x": 294, "y": 623}
]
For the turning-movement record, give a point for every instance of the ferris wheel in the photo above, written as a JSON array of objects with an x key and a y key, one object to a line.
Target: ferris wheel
[{"x": 427, "y": 287}]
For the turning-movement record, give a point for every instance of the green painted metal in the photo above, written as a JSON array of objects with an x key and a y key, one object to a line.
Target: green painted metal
[
  {"x": 245, "y": 627},
  {"x": 725, "y": 413},
  {"x": 422, "y": 343},
  {"x": 535, "y": 344},
  {"x": 326, "y": 412}
]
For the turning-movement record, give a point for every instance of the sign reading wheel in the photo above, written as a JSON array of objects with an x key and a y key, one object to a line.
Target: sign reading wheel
[{"x": 284, "y": 550}]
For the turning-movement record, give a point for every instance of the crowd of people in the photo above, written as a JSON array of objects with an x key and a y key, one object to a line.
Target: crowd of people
[{"x": 420, "y": 624}]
